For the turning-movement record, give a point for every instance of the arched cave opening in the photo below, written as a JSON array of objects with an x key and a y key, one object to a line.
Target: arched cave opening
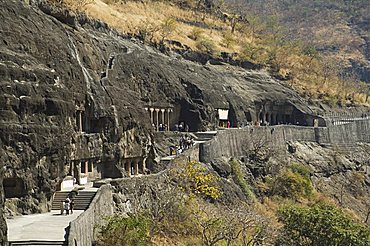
[
  {"x": 260, "y": 117},
  {"x": 248, "y": 116},
  {"x": 13, "y": 187},
  {"x": 232, "y": 117},
  {"x": 190, "y": 116}
]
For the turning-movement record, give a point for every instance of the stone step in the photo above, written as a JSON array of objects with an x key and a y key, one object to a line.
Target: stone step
[
  {"x": 81, "y": 201},
  {"x": 37, "y": 242},
  {"x": 204, "y": 136}
]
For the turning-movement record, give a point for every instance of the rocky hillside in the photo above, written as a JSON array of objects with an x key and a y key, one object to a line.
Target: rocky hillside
[
  {"x": 72, "y": 88},
  {"x": 338, "y": 29},
  {"x": 54, "y": 64},
  {"x": 217, "y": 29}
]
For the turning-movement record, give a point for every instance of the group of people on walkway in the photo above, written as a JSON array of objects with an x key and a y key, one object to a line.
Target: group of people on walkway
[
  {"x": 181, "y": 127},
  {"x": 67, "y": 205},
  {"x": 185, "y": 142}
]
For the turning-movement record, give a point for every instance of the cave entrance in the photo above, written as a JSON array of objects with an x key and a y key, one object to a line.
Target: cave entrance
[
  {"x": 86, "y": 122},
  {"x": 260, "y": 118},
  {"x": 110, "y": 170},
  {"x": 13, "y": 187},
  {"x": 248, "y": 116},
  {"x": 190, "y": 116},
  {"x": 233, "y": 122},
  {"x": 267, "y": 119}
]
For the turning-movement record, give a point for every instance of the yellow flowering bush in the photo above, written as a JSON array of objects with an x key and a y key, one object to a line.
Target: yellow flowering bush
[{"x": 196, "y": 180}]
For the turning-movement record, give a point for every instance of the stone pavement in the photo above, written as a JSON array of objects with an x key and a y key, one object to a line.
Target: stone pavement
[{"x": 47, "y": 226}]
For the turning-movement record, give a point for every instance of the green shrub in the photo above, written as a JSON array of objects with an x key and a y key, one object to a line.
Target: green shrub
[
  {"x": 239, "y": 179},
  {"x": 322, "y": 224},
  {"x": 206, "y": 45},
  {"x": 228, "y": 39},
  {"x": 254, "y": 53},
  {"x": 293, "y": 182},
  {"x": 119, "y": 230},
  {"x": 300, "y": 169},
  {"x": 167, "y": 27}
]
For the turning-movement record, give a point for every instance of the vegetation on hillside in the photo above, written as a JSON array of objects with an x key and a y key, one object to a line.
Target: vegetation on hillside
[
  {"x": 182, "y": 214},
  {"x": 338, "y": 29},
  {"x": 320, "y": 224},
  {"x": 216, "y": 28},
  {"x": 188, "y": 209}
]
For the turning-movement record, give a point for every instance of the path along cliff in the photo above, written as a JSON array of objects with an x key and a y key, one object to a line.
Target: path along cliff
[{"x": 72, "y": 90}]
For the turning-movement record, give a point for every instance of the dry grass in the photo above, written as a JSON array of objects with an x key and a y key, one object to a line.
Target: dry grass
[
  {"x": 132, "y": 17},
  {"x": 308, "y": 76}
]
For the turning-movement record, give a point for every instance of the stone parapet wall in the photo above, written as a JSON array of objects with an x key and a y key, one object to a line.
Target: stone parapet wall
[
  {"x": 82, "y": 231},
  {"x": 235, "y": 142}
]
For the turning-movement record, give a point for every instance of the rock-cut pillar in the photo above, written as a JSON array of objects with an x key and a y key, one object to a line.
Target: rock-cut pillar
[
  {"x": 136, "y": 167},
  {"x": 162, "y": 112},
  {"x": 80, "y": 121},
  {"x": 128, "y": 168},
  {"x": 157, "y": 117},
  {"x": 142, "y": 161},
  {"x": 151, "y": 115},
  {"x": 77, "y": 171},
  {"x": 168, "y": 118}
]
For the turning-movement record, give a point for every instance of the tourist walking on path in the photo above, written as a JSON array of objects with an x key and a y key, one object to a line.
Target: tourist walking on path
[
  {"x": 72, "y": 205},
  {"x": 61, "y": 207},
  {"x": 67, "y": 205}
]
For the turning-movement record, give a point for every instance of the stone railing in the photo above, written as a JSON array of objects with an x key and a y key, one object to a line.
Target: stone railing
[
  {"x": 82, "y": 231},
  {"x": 236, "y": 142},
  {"x": 345, "y": 118}
]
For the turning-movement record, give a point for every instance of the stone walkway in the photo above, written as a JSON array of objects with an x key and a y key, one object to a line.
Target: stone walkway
[{"x": 47, "y": 226}]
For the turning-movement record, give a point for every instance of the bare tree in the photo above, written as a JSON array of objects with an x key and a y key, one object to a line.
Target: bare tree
[{"x": 231, "y": 225}]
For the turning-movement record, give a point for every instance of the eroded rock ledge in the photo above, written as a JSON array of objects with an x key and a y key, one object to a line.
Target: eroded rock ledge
[{"x": 76, "y": 95}]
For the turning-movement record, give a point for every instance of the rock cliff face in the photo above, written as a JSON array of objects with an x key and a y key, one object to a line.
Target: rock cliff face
[
  {"x": 55, "y": 84},
  {"x": 72, "y": 89}
]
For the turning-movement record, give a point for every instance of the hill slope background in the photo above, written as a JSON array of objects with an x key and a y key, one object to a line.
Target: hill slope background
[
  {"x": 339, "y": 29},
  {"x": 273, "y": 35}
]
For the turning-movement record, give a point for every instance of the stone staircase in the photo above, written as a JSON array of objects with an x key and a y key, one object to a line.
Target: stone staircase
[
  {"x": 82, "y": 200},
  {"x": 202, "y": 137},
  {"x": 37, "y": 242}
]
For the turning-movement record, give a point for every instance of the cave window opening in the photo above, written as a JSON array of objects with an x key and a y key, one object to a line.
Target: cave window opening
[
  {"x": 272, "y": 119},
  {"x": 87, "y": 124},
  {"x": 132, "y": 164},
  {"x": 288, "y": 119},
  {"x": 83, "y": 167},
  {"x": 232, "y": 119},
  {"x": 13, "y": 187},
  {"x": 90, "y": 166},
  {"x": 248, "y": 116},
  {"x": 79, "y": 120},
  {"x": 260, "y": 118},
  {"x": 84, "y": 122}
]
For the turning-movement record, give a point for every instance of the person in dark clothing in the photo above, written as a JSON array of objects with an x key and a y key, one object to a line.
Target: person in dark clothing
[
  {"x": 61, "y": 207},
  {"x": 72, "y": 206},
  {"x": 67, "y": 205}
]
